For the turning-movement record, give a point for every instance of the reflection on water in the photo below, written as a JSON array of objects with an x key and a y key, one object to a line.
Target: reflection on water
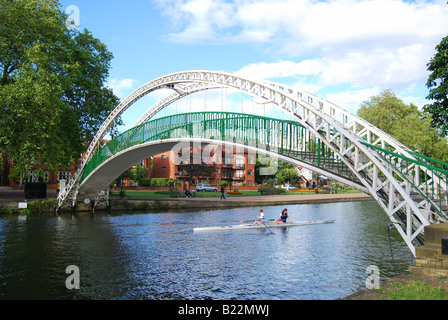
[{"x": 157, "y": 256}]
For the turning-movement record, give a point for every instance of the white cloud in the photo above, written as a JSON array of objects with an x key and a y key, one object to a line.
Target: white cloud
[
  {"x": 281, "y": 69},
  {"x": 308, "y": 23},
  {"x": 349, "y": 20},
  {"x": 122, "y": 87},
  {"x": 356, "y": 41},
  {"x": 379, "y": 67},
  {"x": 351, "y": 100},
  {"x": 361, "y": 46},
  {"x": 200, "y": 20}
]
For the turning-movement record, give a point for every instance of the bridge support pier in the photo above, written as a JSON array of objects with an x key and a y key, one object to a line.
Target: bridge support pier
[
  {"x": 432, "y": 258},
  {"x": 101, "y": 199}
]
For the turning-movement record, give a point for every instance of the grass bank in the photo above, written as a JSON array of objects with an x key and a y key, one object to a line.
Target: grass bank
[
  {"x": 166, "y": 194},
  {"x": 414, "y": 290},
  {"x": 407, "y": 287}
]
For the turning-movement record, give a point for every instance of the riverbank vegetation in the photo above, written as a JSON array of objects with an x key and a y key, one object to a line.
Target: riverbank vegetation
[
  {"x": 240, "y": 193},
  {"x": 414, "y": 290},
  {"x": 35, "y": 206},
  {"x": 408, "y": 286}
]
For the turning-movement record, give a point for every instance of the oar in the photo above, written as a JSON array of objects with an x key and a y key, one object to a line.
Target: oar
[
  {"x": 243, "y": 221},
  {"x": 262, "y": 221}
]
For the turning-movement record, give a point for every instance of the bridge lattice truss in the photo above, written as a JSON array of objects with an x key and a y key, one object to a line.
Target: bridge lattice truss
[{"x": 410, "y": 188}]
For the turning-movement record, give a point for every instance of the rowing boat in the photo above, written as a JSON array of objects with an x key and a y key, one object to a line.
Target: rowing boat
[{"x": 262, "y": 226}]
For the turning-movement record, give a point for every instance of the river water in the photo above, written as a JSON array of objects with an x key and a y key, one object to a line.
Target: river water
[{"x": 158, "y": 256}]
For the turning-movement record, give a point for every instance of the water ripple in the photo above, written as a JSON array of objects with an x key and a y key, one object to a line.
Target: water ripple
[{"x": 157, "y": 256}]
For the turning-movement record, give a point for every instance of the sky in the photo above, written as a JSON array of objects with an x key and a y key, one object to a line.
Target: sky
[{"x": 345, "y": 51}]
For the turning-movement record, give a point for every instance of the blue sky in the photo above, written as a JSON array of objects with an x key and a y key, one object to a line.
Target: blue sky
[{"x": 344, "y": 50}]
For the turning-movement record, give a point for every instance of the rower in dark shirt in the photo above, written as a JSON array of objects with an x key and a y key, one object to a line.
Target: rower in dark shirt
[{"x": 283, "y": 217}]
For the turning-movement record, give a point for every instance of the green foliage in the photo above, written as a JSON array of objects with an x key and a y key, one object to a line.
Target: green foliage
[
  {"x": 41, "y": 206},
  {"x": 416, "y": 290},
  {"x": 281, "y": 170},
  {"x": 268, "y": 191},
  {"x": 140, "y": 175},
  {"x": 6, "y": 211},
  {"x": 17, "y": 174},
  {"x": 141, "y": 205},
  {"x": 159, "y": 182},
  {"x": 438, "y": 87},
  {"x": 128, "y": 174},
  {"x": 172, "y": 185},
  {"x": 287, "y": 175},
  {"x": 223, "y": 183},
  {"x": 406, "y": 123},
  {"x": 52, "y": 93}
]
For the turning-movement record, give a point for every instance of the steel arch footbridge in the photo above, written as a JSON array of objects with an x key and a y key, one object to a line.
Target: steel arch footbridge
[{"x": 410, "y": 188}]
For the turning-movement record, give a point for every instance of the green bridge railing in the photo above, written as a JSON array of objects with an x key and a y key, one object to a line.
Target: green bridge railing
[
  {"x": 426, "y": 175},
  {"x": 284, "y": 137}
]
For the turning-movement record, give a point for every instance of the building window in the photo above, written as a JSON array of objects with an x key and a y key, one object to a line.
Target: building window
[
  {"x": 239, "y": 173},
  {"x": 249, "y": 172},
  {"x": 46, "y": 176},
  {"x": 249, "y": 183},
  {"x": 164, "y": 156},
  {"x": 30, "y": 175},
  {"x": 64, "y": 175},
  {"x": 163, "y": 168},
  {"x": 239, "y": 162},
  {"x": 33, "y": 177}
]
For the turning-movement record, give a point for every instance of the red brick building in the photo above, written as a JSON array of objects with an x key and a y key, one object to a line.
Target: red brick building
[
  {"x": 236, "y": 167},
  {"x": 37, "y": 173}
]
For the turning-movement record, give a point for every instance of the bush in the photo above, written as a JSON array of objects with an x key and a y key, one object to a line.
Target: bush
[
  {"x": 268, "y": 191},
  {"x": 145, "y": 183},
  {"x": 159, "y": 182},
  {"x": 41, "y": 206}
]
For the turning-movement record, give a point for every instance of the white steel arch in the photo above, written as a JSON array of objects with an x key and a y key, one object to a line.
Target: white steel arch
[
  {"x": 362, "y": 128},
  {"x": 344, "y": 133}
]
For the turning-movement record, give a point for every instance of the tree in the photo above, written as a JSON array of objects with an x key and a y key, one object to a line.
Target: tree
[
  {"x": 172, "y": 184},
  {"x": 438, "y": 87},
  {"x": 280, "y": 170},
  {"x": 224, "y": 184},
  {"x": 406, "y": 123},
  {"x": 52, "y": 93},
  {"x": 140, "y": 175},
  {"x": 287, "y": 175},
  {"x": 128, "y": 174}
]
